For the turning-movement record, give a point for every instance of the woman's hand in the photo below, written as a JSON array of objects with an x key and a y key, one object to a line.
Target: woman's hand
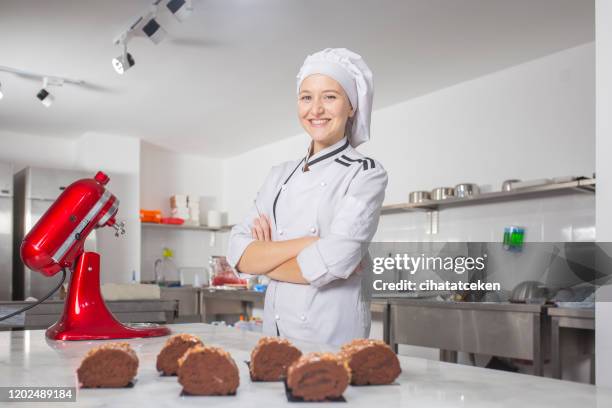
[{"x": 261, "y": 229}]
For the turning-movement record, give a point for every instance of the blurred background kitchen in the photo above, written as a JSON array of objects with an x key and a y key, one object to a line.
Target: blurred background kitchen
[{"x": 476, "y": 91}]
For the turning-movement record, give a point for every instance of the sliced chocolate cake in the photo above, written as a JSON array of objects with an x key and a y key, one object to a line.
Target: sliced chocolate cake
[
  {"x": 271, "y": 358},
  {"x": 175, "y": 347},
  {"x": 110, "y": 365},
  {"x": 205, "y": 370},
  {"x": 318, "y": 376},
  {"x": 371, "y": 362}
]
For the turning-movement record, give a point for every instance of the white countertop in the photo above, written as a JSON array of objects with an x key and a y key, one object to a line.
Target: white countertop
[{"x": 27, "y": 358}]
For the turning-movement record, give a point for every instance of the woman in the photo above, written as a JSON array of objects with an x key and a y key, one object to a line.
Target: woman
[{"x": 313, "y": 218}]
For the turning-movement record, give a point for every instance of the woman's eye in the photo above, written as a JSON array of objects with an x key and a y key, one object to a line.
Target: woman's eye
[
  {"x": 330, "y": 97},
  {"x": 305, "y": 98}
]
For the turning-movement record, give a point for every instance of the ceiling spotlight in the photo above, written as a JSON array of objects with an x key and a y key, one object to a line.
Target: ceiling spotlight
[
  {"x": 45, "y": 97},
  {"x": 123, "y": 62},
  {"x": 180, "y": 9},
  {"x": 154, "y": 31},
  {"x": 1, "y": 94}
]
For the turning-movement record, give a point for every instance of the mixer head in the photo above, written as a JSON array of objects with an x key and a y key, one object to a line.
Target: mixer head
[{"x": 58, "y": 237}]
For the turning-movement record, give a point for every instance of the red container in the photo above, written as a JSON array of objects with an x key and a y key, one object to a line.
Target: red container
[{"x": 172, "y": 221}]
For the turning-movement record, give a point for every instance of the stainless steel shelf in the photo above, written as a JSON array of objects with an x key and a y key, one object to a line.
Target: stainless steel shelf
[
  {"x": 582, "y": 185},
  {"x": 151, "y": 225}
]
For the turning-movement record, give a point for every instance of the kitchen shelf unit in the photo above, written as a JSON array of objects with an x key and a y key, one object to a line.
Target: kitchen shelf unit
[
  {"x": 171, "y": 227},
  {"x": 544, "y": 190}
]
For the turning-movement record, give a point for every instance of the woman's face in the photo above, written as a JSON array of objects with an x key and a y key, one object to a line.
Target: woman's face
[{"x": 323, "y": 109}]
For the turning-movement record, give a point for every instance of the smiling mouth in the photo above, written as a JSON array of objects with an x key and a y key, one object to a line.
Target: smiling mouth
[{"x": 319, "y": 122}]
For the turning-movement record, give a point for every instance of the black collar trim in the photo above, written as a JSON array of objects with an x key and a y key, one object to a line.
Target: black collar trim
[{"x": 330, "y": 154}]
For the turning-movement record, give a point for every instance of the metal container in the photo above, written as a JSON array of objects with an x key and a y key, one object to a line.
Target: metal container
[
  {"x": 530, "y": 292},
  {"x": 466, "y": 190},
  {"x": 419, "y": 196},
  {"x": 442, "y": 193},
  {"x": 507, "y": 184},
  {"x": 530, "y": 183}
]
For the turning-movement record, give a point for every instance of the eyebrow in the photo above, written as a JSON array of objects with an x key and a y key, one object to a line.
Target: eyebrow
[{"x": 327, "y": 90}]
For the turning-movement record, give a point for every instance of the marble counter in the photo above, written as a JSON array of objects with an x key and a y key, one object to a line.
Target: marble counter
[{"x": 27, "y": 358}]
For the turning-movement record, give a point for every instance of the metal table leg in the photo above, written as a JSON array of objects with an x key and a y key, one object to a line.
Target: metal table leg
[
  {"x": 538, "y": 359},
  {"x": 555, "y": 347}
]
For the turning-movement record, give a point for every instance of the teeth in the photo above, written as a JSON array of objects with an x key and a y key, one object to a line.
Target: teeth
[{"x": 319, "y": 121}]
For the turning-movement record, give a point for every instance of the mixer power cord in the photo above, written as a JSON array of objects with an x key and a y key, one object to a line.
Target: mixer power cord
[{"x": 38, "y": 302}]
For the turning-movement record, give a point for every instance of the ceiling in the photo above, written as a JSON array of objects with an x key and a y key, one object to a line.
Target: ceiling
[{"x": 223, "y": 81}]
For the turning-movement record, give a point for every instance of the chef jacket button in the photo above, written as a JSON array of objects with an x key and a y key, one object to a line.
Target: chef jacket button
[
  {"x": 313, "y": 230},
  {"x": 283, "y": 187},
  {"x": 277, "y": 317},
  {"x": 303, "y": 318},
  {"x": 280, "y": 232},
  {"x": 323, "y": 184}
]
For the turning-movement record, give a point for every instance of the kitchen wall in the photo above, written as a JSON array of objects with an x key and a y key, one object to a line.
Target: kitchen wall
[
  {"x": 27, "y": 150},
  {"x": 603, "y": 310},
  {"x": 119, "y": 156},
  {"x": 165, "y": 173}
]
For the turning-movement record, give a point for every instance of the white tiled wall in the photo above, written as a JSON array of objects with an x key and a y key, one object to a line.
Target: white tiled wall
[{"x": 569, "y": 217}]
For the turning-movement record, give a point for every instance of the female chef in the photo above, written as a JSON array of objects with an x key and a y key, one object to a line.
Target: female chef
[{"x": 313, "y": 218}]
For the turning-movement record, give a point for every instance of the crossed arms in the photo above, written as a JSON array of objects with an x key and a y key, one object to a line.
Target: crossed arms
[{"x": 274, "y": 259}]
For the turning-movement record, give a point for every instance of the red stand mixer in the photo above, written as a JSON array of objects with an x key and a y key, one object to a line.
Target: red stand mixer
[{"x": 56, "y": 243}]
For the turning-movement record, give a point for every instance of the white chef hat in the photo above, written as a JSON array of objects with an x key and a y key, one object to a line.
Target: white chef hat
[{"x": 352, "y": 73}]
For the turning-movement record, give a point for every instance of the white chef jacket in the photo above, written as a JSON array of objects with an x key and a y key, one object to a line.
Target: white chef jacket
[{"x": 338, "y": 199}]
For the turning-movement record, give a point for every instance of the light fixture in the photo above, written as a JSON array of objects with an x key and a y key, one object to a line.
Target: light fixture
[
  {"x": 124, "y": 61},
  {"x": 44, "y": 96},
  {"x": 153, "y": 30},
  {"x": 180, "y": 9},
  {"x": 147, "y": 26},
  {"x": 1, "y": 94}
]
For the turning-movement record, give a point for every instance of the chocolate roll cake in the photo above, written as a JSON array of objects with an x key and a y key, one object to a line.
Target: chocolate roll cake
[
  {"x": 371, "y": 362},
  {"x": 271, "y": 357},
  {"x": 110, "y": 365},
  {"x": 205, "y": 370},
  {"x": 175, "y": 347},
  {"x": 318, "y": 376}
]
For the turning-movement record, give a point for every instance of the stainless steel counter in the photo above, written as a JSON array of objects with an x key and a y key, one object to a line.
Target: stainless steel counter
[
  {"x": 576, "y": 326},
  {"x": 240, "y": 295},
  {"x": 505, "y": 330},
  {"x": 29, "y": 359}
]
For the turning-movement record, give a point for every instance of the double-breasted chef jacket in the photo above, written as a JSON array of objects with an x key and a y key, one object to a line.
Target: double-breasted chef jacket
[{"x": 338, "y": 198}]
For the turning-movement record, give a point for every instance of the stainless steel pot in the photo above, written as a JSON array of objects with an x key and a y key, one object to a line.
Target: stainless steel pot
[
  {"x": 507, "y": 184},
  {"x": 442, "y": 193},
  {"x": 466, "y": 190},
  {"x": 418, "y": 196},
  {"x": 530, "y": 292}
]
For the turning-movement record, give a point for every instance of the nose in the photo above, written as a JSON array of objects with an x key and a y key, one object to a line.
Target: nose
[{"x": 317, "y": 107}]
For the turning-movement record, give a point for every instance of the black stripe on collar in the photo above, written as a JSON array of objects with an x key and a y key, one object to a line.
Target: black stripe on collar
[{"x": 330, "y": 154}]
